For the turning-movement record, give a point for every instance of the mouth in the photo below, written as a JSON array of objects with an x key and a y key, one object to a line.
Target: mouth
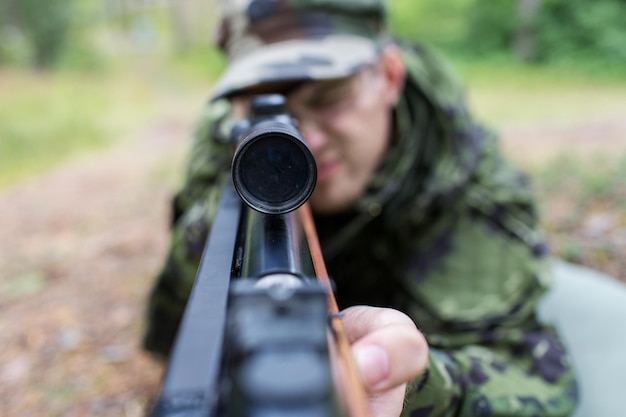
[{"x": 325, "y": 170}]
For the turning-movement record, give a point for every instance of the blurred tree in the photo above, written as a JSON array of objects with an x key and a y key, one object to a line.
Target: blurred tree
[
  {"x": 45, "y": 24},
  {"x": 525, "y": 37},
  {"x": 490, "y": 26},
  {"x": 547, "y": 30},
  {"x": 192, "y": 21},
  {"x": 441, "y": 23},
  {"x": 117, "y": 9},
  {"x": 575, "y": 29},
  {"x": 5, "y": 28},
  {"x": 182, "y": 12}
]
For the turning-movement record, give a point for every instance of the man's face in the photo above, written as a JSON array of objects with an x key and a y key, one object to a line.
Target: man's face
[{"x": 347, "y": 125}]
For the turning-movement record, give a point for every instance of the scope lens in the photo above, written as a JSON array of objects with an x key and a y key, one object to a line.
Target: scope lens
[{"x": 274, "y": 172}]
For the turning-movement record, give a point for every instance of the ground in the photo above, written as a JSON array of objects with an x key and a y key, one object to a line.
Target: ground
[{"x": 79, "y": 248}]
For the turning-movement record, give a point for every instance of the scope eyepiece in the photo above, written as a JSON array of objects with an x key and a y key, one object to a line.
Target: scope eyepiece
[{"x": 273, "y": 170}]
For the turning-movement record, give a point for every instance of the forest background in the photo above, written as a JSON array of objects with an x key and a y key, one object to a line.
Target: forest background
[{"x": 98, "y": 99}]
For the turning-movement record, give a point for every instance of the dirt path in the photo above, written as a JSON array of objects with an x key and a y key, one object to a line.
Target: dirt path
[
  {"x": 537, "y": 144},
  {"x": 79, "y": 248}
]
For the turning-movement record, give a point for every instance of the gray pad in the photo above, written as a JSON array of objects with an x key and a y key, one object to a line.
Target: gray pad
[{"x": 589, "y": 309}]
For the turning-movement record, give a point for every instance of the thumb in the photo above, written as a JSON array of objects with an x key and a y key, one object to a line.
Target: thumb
[
  {"x": 387, "y": 346},
  {"x": 374, "y": 363}
]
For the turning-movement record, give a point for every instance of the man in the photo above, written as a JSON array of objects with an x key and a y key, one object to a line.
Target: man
[{"x": 419, "y": 216}]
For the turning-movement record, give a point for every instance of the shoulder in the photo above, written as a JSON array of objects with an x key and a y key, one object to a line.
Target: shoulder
[{"x": 213, "y": 120}]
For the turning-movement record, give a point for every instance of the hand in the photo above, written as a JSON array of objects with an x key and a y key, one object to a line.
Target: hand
[{"x": 389, "y": 350}]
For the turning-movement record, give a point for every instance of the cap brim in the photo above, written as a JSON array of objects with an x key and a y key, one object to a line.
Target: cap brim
[{"x": 332, "y": 57}]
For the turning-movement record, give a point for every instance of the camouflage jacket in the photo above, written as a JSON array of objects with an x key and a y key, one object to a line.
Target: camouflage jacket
[{"x": 447, "y": 232}]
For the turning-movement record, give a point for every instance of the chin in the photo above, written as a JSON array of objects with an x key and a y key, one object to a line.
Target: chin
[{"x": 326, "y": 204}]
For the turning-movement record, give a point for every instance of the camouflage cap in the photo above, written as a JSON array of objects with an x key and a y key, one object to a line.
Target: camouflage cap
[{"x": 273, "y": 41}]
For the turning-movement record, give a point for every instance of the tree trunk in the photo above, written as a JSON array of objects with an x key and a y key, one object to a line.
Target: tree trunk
[
  {"x": 525, "y": 41},
  {"x": 192, "y": 22}
]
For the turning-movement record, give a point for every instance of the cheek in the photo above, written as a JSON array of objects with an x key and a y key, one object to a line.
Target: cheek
[{"x": 370, "y": 135}]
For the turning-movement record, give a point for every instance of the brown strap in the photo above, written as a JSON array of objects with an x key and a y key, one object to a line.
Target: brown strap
[{"x": 353, "y": 389}]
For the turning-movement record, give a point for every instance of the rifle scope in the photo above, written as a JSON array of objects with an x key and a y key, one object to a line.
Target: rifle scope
[{"x": 273, "y": 170}]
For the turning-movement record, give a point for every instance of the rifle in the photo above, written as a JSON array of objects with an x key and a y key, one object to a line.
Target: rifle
[{"x": 261, "y": 334}]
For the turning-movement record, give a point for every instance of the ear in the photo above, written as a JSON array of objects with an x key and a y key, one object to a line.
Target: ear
[{"x": 394, "y": 73}]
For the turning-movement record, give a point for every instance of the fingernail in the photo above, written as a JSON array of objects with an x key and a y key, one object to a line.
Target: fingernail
[{"x": 373, "y": 362}]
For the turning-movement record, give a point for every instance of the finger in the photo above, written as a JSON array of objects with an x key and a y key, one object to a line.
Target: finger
[
  {"x": 362, "y": 320},
  {"x": 388, "y": 403},
  {"x": 391, "y": 356},
  {"x": 388, "y": 347}
]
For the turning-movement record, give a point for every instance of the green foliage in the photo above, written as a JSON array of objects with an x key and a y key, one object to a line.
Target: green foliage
[
  {"x": 51, "y": 35},
  {"x": 199, "y": 63},
  {"x": 441, "y": 23},
  {"x": 45, "y": 24},
  {"x": 573, "y": 29},
  {"x": 490, "y": 26},
  {"x": 14, "y": 47},
  {"x": 590, "y": 35},
  {"x": 566, "y": 30},
  {"x": 81, "y": 52}
]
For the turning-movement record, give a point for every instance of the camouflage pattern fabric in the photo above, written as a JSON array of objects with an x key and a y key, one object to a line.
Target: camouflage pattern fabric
[
  {"x": 284, "y": 40},
  {"x": 446, "y": 232}
]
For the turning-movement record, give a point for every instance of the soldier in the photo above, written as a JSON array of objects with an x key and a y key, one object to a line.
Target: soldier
[{"x": 419, "y": 216}]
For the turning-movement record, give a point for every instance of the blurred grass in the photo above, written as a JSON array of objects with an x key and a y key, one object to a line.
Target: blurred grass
[
  {"x": 574, "y": 188},
  {"x": 49, "y": 118},
  {"x": 44, "y": 118},
  {"x": 583, "y": 202},
  {"x": 505, "y": 92},
  {"x": 595, "y": 177}
]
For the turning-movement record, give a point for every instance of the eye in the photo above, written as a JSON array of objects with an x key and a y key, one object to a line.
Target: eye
[
  {"x": 333, "y": 99},
  {"x": 326, "y": 99}
]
